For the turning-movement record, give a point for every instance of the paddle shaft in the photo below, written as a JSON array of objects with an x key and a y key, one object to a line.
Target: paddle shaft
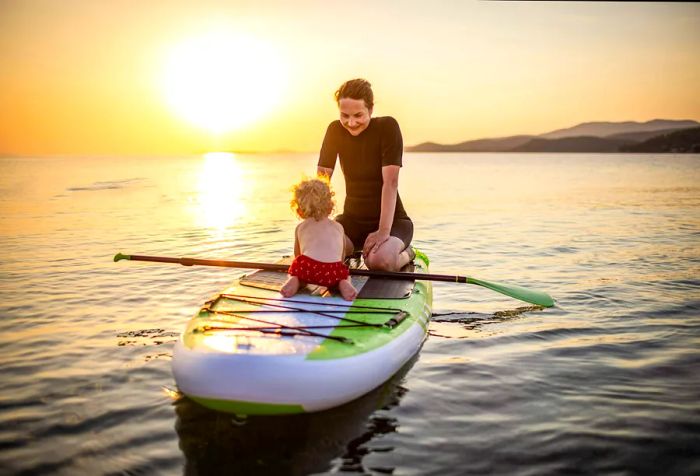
[
  {"x": 284, "y": 268},
  {"x": 524, "y": 294}
]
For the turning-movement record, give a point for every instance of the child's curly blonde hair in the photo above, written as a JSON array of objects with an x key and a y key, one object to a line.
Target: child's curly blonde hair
[{"x": 313, "y": 198}]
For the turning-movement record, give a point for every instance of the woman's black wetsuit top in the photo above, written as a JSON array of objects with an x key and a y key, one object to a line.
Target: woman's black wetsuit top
[{"x": 361, "y": 159}]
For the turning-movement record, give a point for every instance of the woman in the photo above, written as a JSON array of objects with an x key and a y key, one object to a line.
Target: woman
[{"x": 370, "y": 152}]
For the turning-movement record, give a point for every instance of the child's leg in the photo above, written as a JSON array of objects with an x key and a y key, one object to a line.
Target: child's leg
[
  {"x": 347, "y": 290},
  {"x": 291, "y": 286},
  {"x": 348, "y": 247}
]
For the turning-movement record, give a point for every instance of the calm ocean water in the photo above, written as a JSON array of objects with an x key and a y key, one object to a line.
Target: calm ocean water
[{"x": 608, "y": 382}]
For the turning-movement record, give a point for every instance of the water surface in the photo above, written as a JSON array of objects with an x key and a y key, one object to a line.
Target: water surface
[{"x": 606, "y": 383}]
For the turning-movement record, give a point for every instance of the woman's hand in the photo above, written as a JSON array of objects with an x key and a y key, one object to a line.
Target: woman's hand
[{"x": 374, "y": 241}]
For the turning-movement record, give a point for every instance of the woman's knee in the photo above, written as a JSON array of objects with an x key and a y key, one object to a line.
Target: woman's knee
[
  {"x": 387, "y": 257},
  {"x": 382, "y": 261}
]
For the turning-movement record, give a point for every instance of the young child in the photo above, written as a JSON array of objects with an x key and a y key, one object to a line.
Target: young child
[{"x": 318, "y": 242}]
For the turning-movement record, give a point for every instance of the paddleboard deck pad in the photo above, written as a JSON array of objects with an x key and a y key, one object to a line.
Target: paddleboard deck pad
[{"x": 251, "y": 351}]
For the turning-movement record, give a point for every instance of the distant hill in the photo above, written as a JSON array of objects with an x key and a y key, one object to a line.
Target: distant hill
[
  {"x": 605, "y": 129},
  {"x": 585, "y": 137},
  {"x": 480, "y": 145},
  {"x": 640, "y": 136},
  {"x": 573, "y": 144},
  {"x": 686, "y": 140},
  {"x": 432, "y": 147}
]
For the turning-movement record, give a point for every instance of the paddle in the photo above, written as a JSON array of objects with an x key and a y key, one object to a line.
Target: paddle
[{"x": 528, "y": 295}]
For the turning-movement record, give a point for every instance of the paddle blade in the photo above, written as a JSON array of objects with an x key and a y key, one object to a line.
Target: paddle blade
[
  {"x": 120, "y": 256},
  {"x": 528, "y": 295}
]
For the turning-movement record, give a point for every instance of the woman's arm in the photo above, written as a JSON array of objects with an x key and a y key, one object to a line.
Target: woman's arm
[
  {"x": 390, "y": 186},
  {"x": 324, "y": 171},
  {"x": 329, "y": 150}
]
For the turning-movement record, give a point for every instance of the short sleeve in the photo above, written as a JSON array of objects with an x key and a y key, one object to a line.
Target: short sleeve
[
  {"x": 329, "y": 148},
  {"x": 391, "y": 143}
]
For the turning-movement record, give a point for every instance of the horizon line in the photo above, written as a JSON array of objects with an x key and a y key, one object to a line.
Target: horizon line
[{"x": 5, "y": 155}]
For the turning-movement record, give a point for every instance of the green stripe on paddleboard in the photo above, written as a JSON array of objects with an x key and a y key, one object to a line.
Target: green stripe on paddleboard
[
  {"x": 366, "y": 339},
  {"x": 248, "y": 408}
]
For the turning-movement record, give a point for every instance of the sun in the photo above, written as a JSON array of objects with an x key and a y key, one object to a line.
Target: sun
[{"x": 223, "y": 80}]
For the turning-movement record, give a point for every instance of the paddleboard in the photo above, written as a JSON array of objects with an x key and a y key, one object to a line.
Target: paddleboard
[{"x": 251, "y": 351}]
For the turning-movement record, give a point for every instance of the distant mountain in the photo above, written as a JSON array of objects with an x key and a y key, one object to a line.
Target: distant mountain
[
  {"x": 573, "y": 144},
  {"x": 605, "y": 129},
  {"x": 640, "y": 136},
  {"x": 480, "y": 145},
  {"x": 686, "y": 140},
  {"x": 586, "y": 137},
  {"x": 432, "y": 147}
]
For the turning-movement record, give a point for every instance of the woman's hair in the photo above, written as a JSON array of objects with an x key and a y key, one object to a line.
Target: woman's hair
[
  {"x": 356, "y": 89},
  {"x": 313, "y": 198}
]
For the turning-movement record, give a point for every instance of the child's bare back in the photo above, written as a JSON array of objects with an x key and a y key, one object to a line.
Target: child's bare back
[
  {"x": 322, "y": 240},
  {"x": 318, "y": 242}
]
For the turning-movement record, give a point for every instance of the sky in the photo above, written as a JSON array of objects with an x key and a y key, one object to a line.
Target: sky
[{"x": 98, "y": 77}]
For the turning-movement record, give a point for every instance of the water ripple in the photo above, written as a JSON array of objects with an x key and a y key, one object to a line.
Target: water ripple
[{"x": 604, "y": 383}]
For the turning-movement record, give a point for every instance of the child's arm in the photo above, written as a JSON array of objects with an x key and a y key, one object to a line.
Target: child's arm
[{"x": 297, "y": 248}]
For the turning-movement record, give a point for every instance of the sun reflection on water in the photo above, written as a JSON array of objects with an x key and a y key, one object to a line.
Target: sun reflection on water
[{"x": 222, "y": 189}]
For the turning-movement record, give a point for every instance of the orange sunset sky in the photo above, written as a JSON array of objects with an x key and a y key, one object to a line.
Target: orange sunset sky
[{"x": 94, "y": 77}]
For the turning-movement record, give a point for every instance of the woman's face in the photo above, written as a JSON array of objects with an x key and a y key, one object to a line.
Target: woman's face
[{"x": 354, "y": 115}]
